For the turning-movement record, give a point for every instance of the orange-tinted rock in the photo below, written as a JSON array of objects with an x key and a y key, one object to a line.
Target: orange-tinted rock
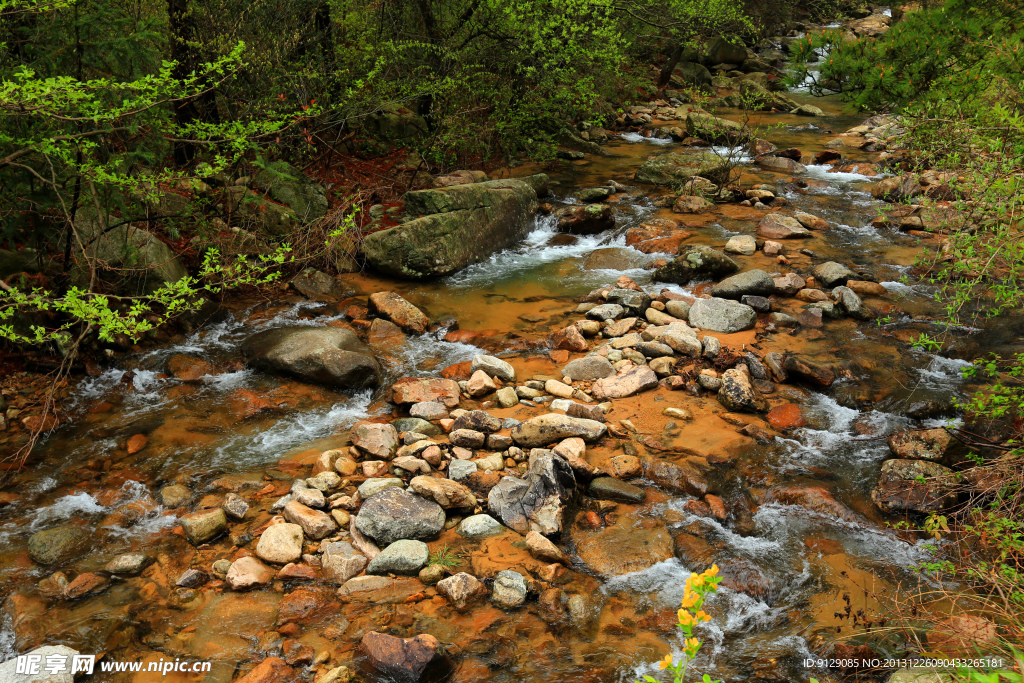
[
  {"x": 458, "y": 371},
  {"x": 304, "y": 603},
  {"x": 270, "y": 670},
  {"x": 559, "y": 355},
  {"x": 814, "y": 498},
  {"x": 246, "y": 403},
  {"x": 136, "y": 443},
  {"x": 297, "y": 572},
  {"x": 417, "y": 390},
  {"x": 188, "y": 368},
  {"x": 296, "y": 653},
  {"x": 86, "y": 584},
  {"x": 653, "y": 239},
  {"x": 404, "y": 660},
  {"x": 570, "y": 339},
  {"x": 717, "y": 506},
  {"x": 786, "y": 416}
]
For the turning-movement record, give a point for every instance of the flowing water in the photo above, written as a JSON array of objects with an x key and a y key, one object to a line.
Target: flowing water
[{"x": 242, "y": 430}]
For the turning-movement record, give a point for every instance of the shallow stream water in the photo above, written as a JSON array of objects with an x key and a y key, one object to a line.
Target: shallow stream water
[{"x": 209, "y": 436}]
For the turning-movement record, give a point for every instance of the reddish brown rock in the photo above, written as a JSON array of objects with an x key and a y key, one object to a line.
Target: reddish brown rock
[
  {"x": 786, "y": 416},
  {"x": 136, "y": 443},
  {"x": 652, "y": 238},
  {"x": 717, "y": 506},
  {"x": 570, "y": 339},
  {"x": 403, "y": 660},
  {"x": 417, "y": 390},
  {"x": 297, "y": 572},
  {"x": 399, "y": 311},
  {"x": 270, "y": 670},
  {"x": 297, "y": 653},
  {"x": 86, "y": 584},
  {"x": 814, "y": 498},
  {"x": 808, "y": 371},
  {"x": 304, "y": 604},
  {"x": 188, "y": 368}
]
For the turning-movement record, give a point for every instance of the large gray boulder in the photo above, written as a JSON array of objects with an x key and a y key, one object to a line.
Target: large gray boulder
[
  {"x": 721, "y": 51},
  {"x": 148, "y": 263},
  {"x": 287, "y": 185},
  {"x": 676, "y": 169},
  {"x": 696, "y": 263},
  {"x": 722, "y": 315},
  {"x": 457, "y": 226},
  {"x": 755, "y": 282},
  {"x": 716, "y": 130},
  {"x": 332, "y": 356},
  {"x": 396, "y": 514},
  {"x": 537, "y": 502}
]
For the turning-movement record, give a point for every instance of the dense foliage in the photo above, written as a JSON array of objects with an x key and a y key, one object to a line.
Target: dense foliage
[{"x": 954, "y": 74}]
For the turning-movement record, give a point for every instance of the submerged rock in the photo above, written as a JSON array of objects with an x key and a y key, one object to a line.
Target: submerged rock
[
  {"x": 616, "y": 551},
  {"x": 381, "y": 657},
  {"x": 59, "y": 544}
]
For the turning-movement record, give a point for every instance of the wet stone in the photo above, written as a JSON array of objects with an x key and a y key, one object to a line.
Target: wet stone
[
  {"x": 192, "y": 578},
  {"x": 608, "y": 488},
  {"x": 234, "y": 506},
  {"x": 204, "y": 525},
  {"x": 395, "y": 514},
  {"x": 460, "y": 589},
  {"x": 174, "y": 496},
  {"x": 405, "y": 557},
  {"x": 280, "y": 543},
  {"x": 128, "y": 564},
  {"x": 479, "y": 526},
  {"x": 508, "y": 590}
]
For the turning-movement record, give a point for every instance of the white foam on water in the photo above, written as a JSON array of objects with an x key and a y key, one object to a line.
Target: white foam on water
[
  {"x": 65, "y": 508},
  {"x": 943, "y": 373},
  {"x": 636, "y": 137},
  {"x": 825, "y": 173},
  {"x": 248, "y": 450},
  {"x": 736, "y": 155},
  {"x": 418, "y": 350}
]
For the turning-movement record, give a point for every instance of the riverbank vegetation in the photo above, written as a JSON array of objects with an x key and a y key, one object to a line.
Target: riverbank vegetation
[{"x": 954, "y": 74}]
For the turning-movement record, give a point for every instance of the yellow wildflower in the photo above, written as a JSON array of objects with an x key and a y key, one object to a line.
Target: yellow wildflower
[
  {"x": 713, "y": 571},
  {"x": 701, "y": 615},
  {"x": 685, "y": 618},
  {"x": 689, "y": 600},
  {"x": 665, "y": 663}
]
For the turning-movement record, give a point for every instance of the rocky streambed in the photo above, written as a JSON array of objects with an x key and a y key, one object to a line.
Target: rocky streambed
[{"x": 508, "y": 472}]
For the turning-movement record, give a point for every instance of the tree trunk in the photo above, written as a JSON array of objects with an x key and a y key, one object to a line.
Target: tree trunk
[{"x": 670, "y": 65}]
